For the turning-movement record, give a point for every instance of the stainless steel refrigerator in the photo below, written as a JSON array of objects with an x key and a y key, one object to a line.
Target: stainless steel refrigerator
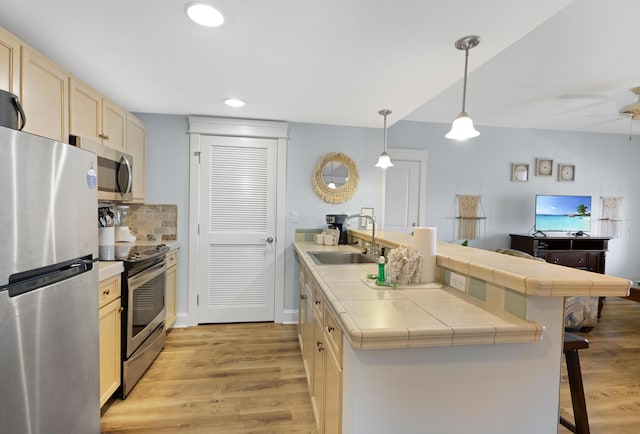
[{"x": 49, "y": 361}]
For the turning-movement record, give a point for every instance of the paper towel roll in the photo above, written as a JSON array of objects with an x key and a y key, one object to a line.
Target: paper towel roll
[
  {"x": 424, "y": 240},
  {"x": 106, "y": 236}
]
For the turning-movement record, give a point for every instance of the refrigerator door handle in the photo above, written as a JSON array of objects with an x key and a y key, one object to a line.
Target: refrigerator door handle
[{"x": 22, "y": 283}]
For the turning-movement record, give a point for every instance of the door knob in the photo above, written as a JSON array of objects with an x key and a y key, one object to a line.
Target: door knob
[{"x": 268, "y": 240}]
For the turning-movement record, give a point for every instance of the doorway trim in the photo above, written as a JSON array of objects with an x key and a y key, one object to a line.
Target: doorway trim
[
  {"x": 408, "y": 155},
  {"x": 231, "y": 127}
]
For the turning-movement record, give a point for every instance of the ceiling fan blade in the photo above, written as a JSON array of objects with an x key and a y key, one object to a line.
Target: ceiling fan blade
[{"x": 608, "y": 121}]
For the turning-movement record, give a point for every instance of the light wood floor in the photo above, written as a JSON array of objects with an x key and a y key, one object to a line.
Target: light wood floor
[
  {"x": 248, "y": 378},
  {"x": 610, "y": 371},
  {"x": 219, "y": 379}
]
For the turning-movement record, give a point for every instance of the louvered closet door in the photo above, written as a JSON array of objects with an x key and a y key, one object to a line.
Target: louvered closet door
[{"x": 237, "y": 229}]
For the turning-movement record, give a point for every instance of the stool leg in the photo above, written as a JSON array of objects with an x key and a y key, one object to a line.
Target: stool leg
[{"x": 577, "y": 392}]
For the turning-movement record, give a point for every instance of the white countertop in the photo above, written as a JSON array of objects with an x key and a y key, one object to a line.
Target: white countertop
[
  {"x": 519, "y": 274},
  {"x": 108, "y": 269},
  {"x": 376, "y": 317}
]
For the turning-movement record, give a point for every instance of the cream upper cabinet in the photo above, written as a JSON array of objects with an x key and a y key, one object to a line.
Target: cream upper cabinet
[
  {"x": 85, "y": 106},
  {"x": 114, "y": 125},
  {"x": 137, "y": 148},
  {"x": 9, "y": 62},
  {"x": 44, "y": 95},
  {"x": 94, "y": 117}
]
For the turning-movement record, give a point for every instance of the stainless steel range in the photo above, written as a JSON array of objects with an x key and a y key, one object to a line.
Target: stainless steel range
[{"x": 143, "y": 300}]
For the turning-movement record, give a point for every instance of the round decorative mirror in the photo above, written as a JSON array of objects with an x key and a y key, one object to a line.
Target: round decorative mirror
[{"x": 335, "y": 178}]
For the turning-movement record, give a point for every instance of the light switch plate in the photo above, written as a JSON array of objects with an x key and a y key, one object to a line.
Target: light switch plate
[
  {"x": 458, "y": 281},
  {"x": 295, "y": 217}
]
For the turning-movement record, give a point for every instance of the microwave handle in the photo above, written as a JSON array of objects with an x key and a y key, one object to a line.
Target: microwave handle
[{"x": 130, "y": 177}]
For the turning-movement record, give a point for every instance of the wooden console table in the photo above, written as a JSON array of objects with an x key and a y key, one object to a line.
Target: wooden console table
[{"x": 583, "y": 252}]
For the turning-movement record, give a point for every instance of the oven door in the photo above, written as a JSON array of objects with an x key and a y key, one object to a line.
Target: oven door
[{"x": 145, "y": 309}]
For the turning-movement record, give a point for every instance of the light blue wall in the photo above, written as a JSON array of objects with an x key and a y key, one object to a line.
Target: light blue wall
[
  {"x": 168, "y": 180},
  {"x": 605, "y": 165}
]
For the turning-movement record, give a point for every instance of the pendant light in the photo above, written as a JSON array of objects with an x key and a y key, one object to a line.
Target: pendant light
[
  {"x": 383, "y": 160},
  {"x": 462, "y": 128}
]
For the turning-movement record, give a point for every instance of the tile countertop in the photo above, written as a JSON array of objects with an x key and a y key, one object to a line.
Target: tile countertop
[
  {"x": 393, "y": 318},
  {"x": 373, "y": 318},
  {"x": 107, "y": 269},
  {"x": 519, "y": 274}
]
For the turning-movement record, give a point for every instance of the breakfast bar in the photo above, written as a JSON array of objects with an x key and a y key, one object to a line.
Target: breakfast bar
[{"x": 484, "y": 357}]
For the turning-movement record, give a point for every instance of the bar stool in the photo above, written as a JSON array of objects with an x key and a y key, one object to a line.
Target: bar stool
[{"x": 573, "y": 343}]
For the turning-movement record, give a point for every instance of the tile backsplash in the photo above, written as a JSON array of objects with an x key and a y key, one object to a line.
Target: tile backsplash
[{"x": 154, "y": 223}]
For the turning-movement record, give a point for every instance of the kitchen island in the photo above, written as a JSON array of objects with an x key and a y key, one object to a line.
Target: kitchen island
[{"x": 439, "y": 360}]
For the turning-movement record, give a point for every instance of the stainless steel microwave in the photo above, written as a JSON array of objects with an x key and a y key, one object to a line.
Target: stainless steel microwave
[{"x": 115, "y": 170}]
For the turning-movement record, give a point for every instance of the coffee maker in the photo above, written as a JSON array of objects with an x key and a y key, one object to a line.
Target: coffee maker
[{"x": 336, "y": 221}]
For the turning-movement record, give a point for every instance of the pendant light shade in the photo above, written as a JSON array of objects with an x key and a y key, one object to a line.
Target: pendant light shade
[
  {"x": 462, "y": 127},
  {"x": 384, "y": 160}
]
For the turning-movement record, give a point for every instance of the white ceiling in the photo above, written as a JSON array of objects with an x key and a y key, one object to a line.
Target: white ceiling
[{"x": 552, "y": 64}]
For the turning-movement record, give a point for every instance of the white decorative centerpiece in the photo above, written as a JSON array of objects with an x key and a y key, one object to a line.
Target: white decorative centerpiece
[{"x": 415, "y": 264}]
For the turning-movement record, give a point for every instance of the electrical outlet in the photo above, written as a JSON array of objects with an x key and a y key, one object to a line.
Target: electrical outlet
[{"x": 458, "y": 281}]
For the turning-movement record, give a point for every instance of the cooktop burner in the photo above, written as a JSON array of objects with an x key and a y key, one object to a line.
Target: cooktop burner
[{"x": 140, "y": 253}]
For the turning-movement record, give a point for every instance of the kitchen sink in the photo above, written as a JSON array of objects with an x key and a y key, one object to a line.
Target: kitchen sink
[{"x": 337, "y": 258}]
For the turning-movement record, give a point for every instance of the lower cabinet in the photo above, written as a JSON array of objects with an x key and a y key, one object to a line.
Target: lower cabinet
[
  {"x": 321, "y": 345},
  {"x": 171, "y": 289},
  {"x": 110, "y": 340}
]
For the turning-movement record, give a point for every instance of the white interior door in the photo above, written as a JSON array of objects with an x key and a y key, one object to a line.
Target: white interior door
[
  {"x": 402, "y": 196},
  {"x": 237, "y": 227}
]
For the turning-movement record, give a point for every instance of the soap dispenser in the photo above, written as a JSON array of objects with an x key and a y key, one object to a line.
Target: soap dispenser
[{"x": 381, "y": 276}]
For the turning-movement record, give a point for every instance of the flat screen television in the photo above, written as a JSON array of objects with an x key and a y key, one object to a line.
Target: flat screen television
[{"x": 555, "y": 213}]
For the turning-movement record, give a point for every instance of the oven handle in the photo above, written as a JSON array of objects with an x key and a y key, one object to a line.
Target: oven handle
[{"x": 148, "y": 274}]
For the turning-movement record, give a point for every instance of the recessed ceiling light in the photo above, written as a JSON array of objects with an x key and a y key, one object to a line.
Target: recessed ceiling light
[
  {"x": 204, "y": 14},
  {"x": 234, "y": 102}
]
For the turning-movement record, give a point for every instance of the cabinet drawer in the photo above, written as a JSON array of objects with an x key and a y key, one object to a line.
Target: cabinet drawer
[
  {"x": 569, "y": 259},
  {"x": 333, "y": 334},
  {"x": 172, "y": 259},
  {"x": 109, "y": 290}
]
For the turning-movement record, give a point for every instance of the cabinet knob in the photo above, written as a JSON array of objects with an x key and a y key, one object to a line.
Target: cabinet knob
[
  {"x": 121, "y": 309},
  {"x": 106, "y": 292},
  {"x": 318, "y": 302},
  {"x": 302, "y": 297},
  {"x": 319, "y": 344},
  {"x": 330, "y": 329},
  {"x": 321, "y": 349}
]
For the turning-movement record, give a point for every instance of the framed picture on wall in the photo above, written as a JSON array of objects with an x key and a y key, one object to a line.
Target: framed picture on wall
[
  {"x": 566, "y": 172},
  {"x": 519, "y": 172},
  {"x": 544, "y": 167}
]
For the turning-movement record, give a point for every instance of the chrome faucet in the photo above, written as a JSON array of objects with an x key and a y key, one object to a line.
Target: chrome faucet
[{"x": 373, "y": 250}]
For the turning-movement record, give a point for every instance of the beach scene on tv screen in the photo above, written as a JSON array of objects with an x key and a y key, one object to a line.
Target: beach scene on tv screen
[{"x": 563, "y": 213}]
